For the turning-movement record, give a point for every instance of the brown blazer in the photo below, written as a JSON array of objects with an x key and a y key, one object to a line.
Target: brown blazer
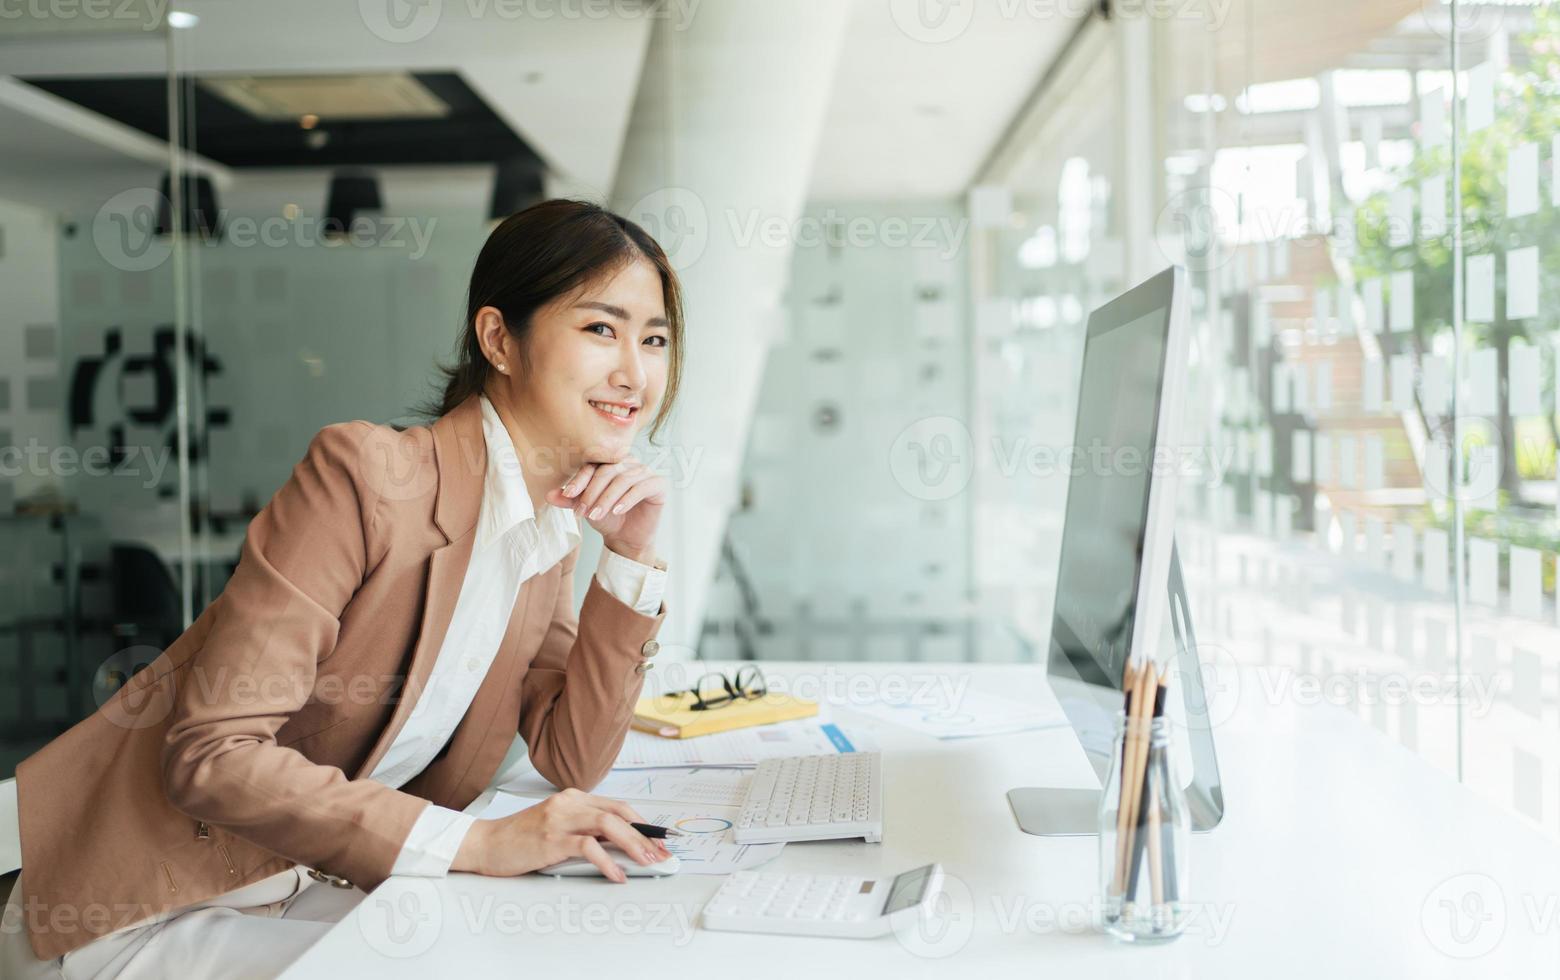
[{"x": 245, "y": 747}]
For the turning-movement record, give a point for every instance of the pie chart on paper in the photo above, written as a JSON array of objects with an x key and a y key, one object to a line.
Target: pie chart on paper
[{"x": 703, "y": 825}]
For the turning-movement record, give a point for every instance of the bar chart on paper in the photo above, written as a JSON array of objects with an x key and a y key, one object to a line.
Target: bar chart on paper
[
  {"x": 711, "y": 786},
  {"x": 972, "y": 714}
]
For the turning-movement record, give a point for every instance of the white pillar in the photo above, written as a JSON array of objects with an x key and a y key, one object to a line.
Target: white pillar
[{"x": 716, "y": 165}]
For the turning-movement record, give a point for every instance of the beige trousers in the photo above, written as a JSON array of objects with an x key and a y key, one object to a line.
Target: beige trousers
[{"x": 251, "y": 933}]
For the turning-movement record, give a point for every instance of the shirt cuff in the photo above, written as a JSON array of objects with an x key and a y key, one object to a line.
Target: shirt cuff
[
  {"x": 431, "y": 846},
  {"x": 635, "y": 584}
]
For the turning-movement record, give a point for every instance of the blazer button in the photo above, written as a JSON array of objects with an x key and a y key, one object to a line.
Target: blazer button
[
  {"x": 650, "y": 649},
  {"x": 643, "y": 666}
]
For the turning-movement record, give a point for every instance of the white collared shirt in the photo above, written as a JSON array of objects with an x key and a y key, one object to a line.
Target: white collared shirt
[{"x": 512, "y": 544}]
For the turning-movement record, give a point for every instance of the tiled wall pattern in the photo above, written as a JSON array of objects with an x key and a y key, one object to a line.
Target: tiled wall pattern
[
  {"x": 29, "y": 399},
  {"x": 849, "y": 557}
]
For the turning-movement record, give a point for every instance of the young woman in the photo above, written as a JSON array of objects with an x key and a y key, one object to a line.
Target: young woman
[{"x": 402, "y": 607}]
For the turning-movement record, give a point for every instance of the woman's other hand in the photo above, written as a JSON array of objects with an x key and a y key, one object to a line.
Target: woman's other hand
[{"x": 622, "y": 501}]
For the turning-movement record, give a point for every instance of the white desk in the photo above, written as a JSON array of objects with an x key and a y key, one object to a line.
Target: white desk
[{"x": 1336, "y": 855}]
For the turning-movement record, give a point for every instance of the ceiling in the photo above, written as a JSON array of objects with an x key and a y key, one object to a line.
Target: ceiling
[
  {"x": 59, "y": 157},
  {"x": 1299, "y": 40},
  {"x": 909, "y": 117},
  {"x": 563, "y": 85},
  {"x": 914, "y": 115},
  {"x": 444, "y": 122}
]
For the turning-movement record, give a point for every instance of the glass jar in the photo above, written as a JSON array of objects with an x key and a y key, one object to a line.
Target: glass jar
[{"x": 1144, "y": 850}]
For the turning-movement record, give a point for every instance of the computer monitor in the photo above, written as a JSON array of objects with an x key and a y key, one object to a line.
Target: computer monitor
[{"x": 1118, "y": 576}]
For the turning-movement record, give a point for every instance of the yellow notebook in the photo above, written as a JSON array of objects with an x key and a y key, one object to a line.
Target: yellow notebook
[{"x": 669, "y": 715}]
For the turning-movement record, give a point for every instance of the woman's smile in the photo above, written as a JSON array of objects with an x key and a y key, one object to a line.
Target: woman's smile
[{"x": 619, "y": 414}]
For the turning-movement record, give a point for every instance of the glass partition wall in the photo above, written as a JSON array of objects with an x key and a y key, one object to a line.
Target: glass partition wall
[
  {"x": 1056, "y": 254},
  {"x": 174, "y": 342},
  {"x": 1368, "y": 205},
  {"x": 98, "y": 508}
]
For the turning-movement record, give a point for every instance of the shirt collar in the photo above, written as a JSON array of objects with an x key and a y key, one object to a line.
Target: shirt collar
[{"x": 506, "y": 505}]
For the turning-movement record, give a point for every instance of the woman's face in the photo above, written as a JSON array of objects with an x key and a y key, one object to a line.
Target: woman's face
[{"x": 599, "y": 360}]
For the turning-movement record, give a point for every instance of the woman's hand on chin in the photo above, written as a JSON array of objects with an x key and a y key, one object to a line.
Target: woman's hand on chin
[{"x": 621, "y": 500}]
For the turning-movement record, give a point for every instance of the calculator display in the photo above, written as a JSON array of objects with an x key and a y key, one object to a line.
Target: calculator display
[{"x": 908, "y": 889}]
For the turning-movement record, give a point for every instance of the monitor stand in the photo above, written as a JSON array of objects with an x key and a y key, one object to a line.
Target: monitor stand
[
  {"x": 1048, "y": 812},
  {"x": 1055, "y": 812}
]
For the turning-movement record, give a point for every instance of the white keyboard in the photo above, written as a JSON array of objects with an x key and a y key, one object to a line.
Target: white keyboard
[{"x": 813, "y": 797}]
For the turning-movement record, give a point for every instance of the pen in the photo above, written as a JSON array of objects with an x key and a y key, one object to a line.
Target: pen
[{"x": 651, "y": 830}]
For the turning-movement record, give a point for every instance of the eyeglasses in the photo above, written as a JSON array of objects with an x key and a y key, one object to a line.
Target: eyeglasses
[{"x": 716, "y": 690}]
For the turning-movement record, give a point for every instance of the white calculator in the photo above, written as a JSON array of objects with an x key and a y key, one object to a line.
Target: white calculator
[{"x": 820, "y": 905}]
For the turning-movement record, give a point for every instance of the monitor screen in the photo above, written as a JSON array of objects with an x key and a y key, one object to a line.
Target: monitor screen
[{"x": 1108, "y": 491}]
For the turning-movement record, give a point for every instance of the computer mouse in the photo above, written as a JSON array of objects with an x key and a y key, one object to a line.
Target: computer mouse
[{"x": 582, "y": 868}]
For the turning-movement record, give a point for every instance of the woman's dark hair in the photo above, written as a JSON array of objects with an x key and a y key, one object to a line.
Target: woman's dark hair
[{"x": 538, "y": 255}]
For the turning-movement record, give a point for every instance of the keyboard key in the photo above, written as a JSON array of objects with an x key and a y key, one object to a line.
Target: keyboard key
[{"x": 788, "y": 798}]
